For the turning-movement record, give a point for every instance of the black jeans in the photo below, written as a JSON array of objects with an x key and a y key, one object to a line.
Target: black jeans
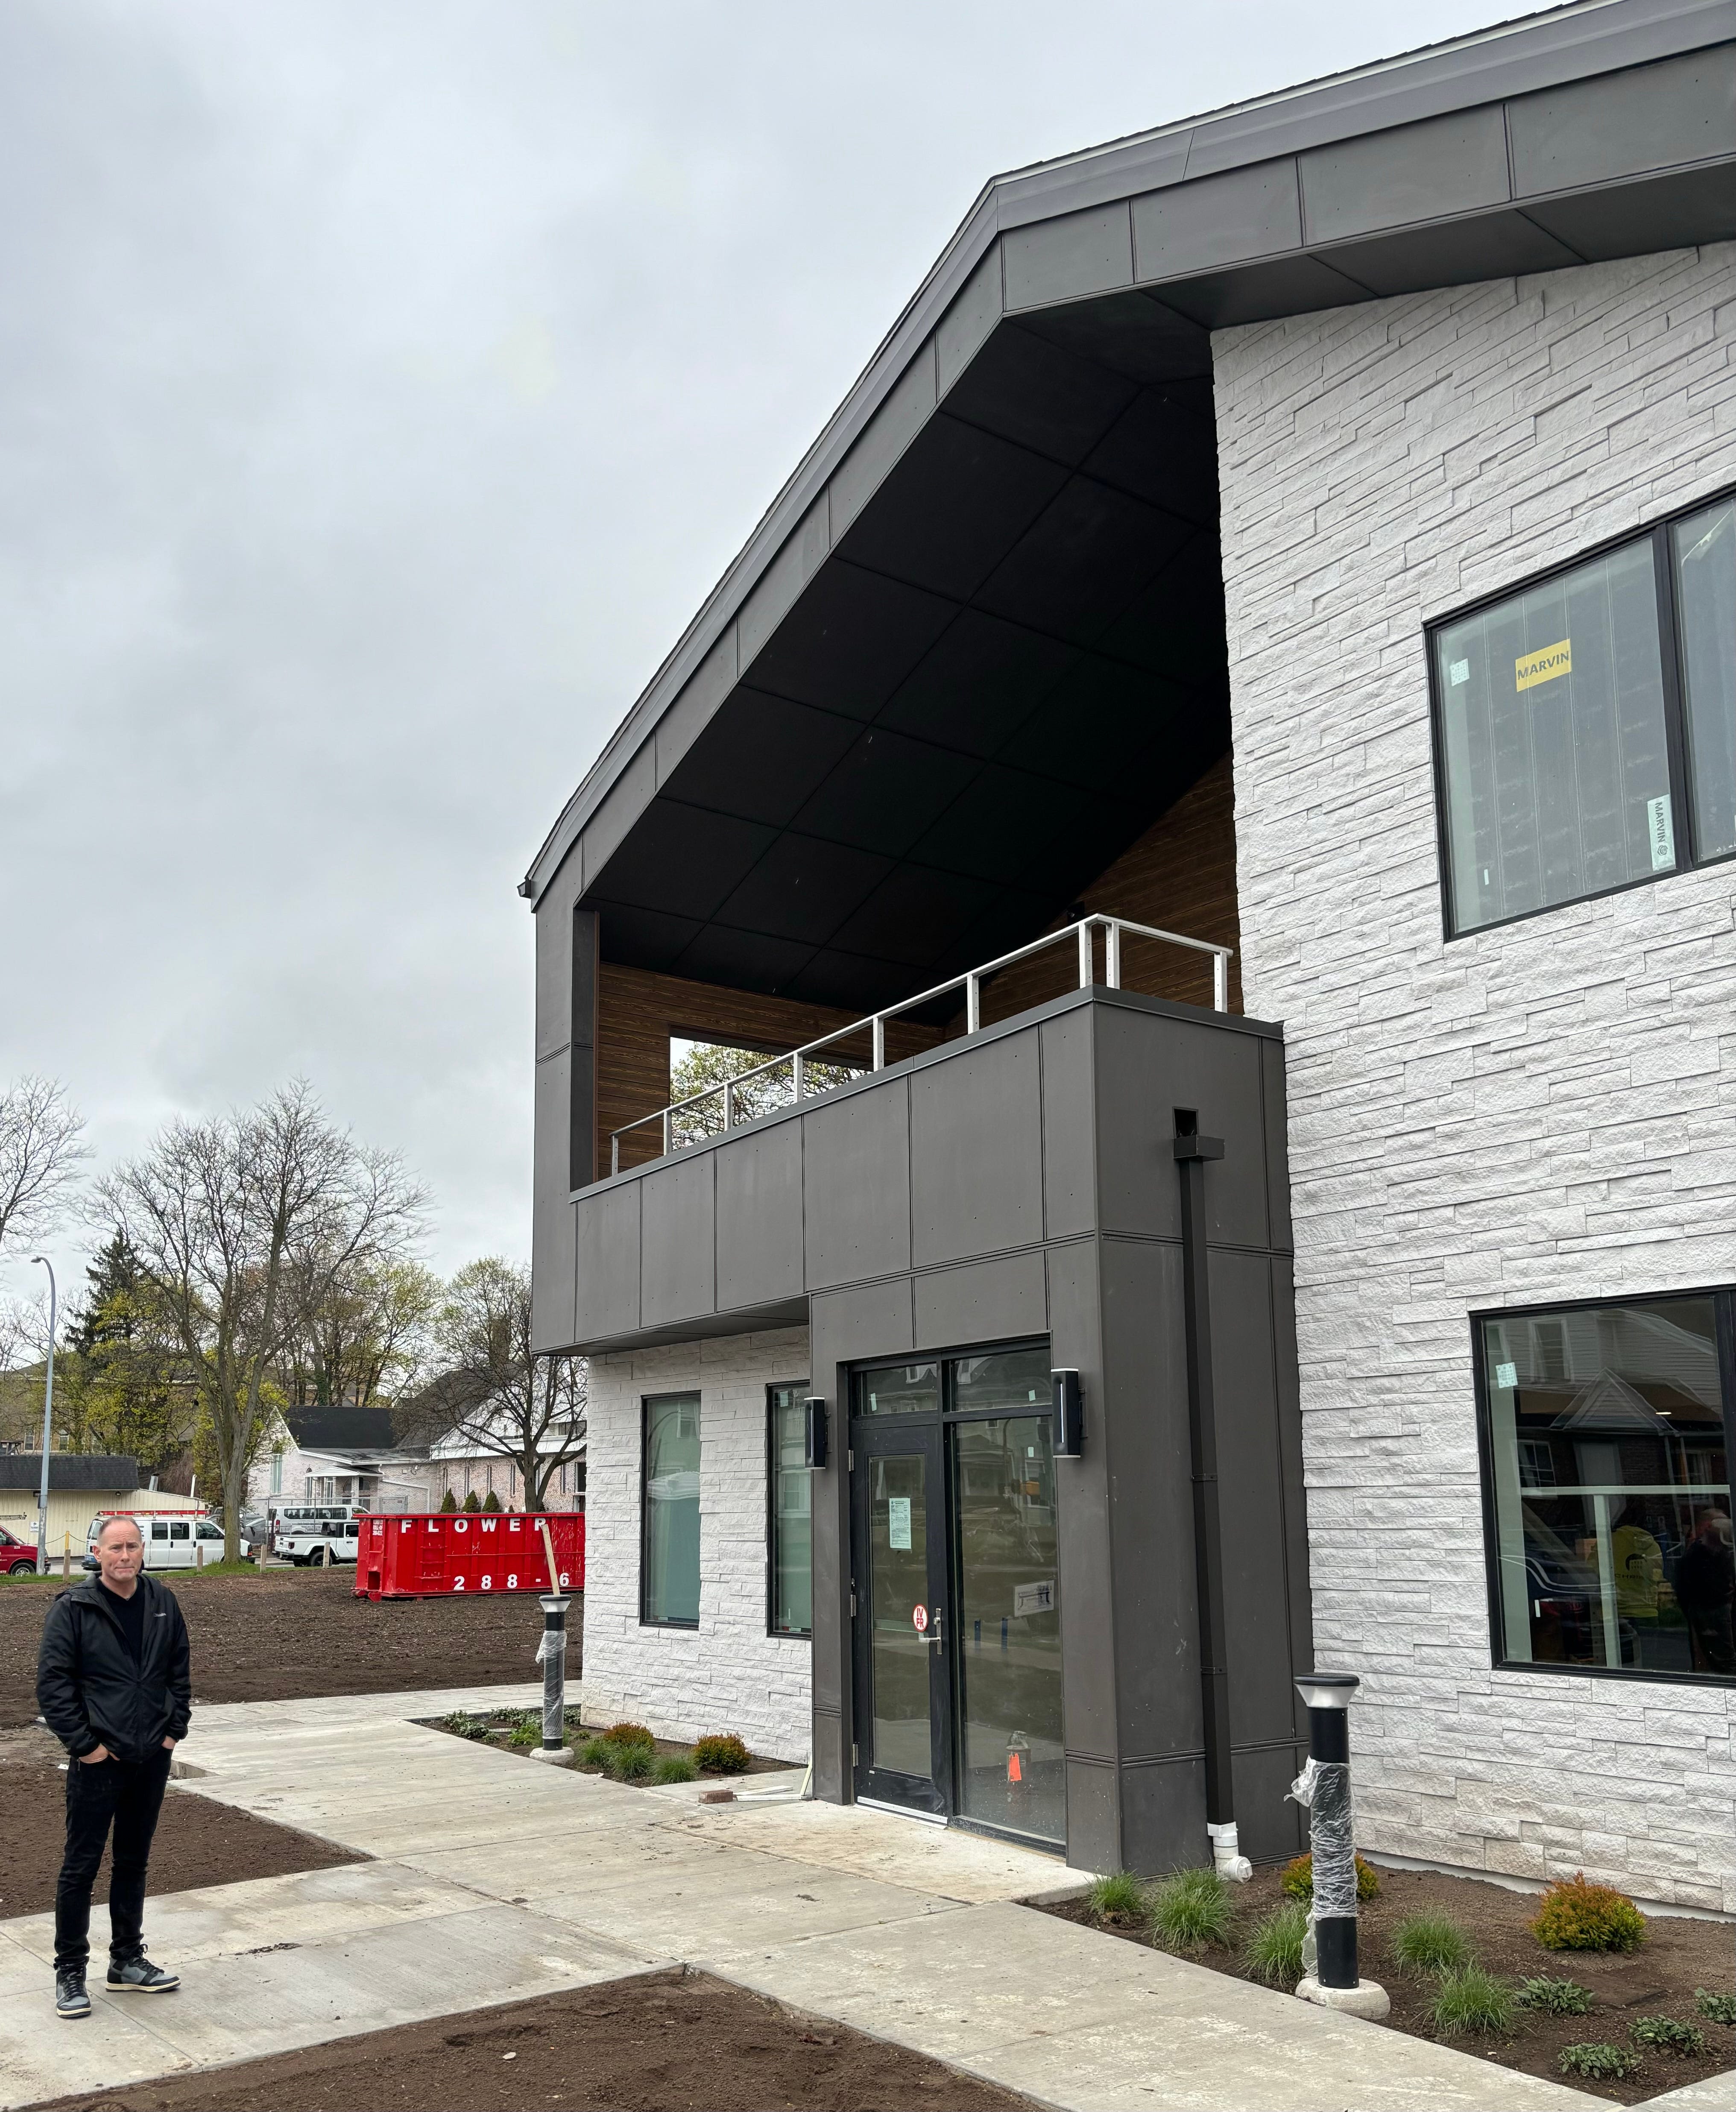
[{"x": 129, "y": 1795}]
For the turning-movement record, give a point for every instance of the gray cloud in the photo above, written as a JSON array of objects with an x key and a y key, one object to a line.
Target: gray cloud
[{"x": 381, "y": 388}]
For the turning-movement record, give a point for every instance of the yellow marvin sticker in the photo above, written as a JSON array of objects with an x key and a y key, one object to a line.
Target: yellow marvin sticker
[{"x": 1543, "y": 665}]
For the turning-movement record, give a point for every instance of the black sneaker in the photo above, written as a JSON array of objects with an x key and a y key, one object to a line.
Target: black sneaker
[
  {"x": 70, "y": 1998},
  {"x": 138, "y": 1976}
]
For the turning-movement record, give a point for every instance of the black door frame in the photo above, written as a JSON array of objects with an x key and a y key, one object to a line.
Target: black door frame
[{"x": 904, "y": 1436}]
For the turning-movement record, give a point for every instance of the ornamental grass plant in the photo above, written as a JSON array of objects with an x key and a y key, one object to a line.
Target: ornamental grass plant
[
  {"x": 1118, "y": 1899},
  {"x": 1191, "y": 1911},
  {"x": 1431, "y": 1943},
  {"x": 675, "y": 1768},
  {"x": 1468, "y": 1999},
  {"x": 1274, "y": 1949}
]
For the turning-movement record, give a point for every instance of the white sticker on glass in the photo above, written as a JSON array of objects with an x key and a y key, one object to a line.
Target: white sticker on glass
[
  {"x": 1662, "y": 832},
  {"x": 1458, "y": 671},
  {"x": 897, "y": 1521},
  {"x": 1507, "y": 1375},
  {"x": 1029, "y": 1599}
]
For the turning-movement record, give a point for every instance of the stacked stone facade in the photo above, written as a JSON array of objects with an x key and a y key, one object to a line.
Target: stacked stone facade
[
  {"x": 1542, "y": 1112},
  {"x": 728, "y": 1673}
]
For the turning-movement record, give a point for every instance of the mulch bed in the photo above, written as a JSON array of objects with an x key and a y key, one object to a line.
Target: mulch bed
[
  {"x": 1659, "y": 1979},
  {"x": 198, "y": 1841},
  {"x": 661, "y": 2042},
  {"x": 576, "y": 1737},
  {"x": 285, "y": 1634}
]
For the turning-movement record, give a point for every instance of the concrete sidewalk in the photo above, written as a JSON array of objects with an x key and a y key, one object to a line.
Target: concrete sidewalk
[{"x": 497, "y": 1879}]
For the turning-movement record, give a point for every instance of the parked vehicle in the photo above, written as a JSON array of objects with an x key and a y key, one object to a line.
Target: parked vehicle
[
  {"x": 173, "y": 1539},
  {"x": 306, "y": 1536},
  {"x": 17, "y": 1557}
]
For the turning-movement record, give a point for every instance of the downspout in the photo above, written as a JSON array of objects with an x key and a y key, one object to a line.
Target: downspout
[{"x": 1192, "y": 1152}]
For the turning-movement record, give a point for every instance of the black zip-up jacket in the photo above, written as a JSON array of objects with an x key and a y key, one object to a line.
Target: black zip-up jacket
[{"x": 88, "y": 1688}]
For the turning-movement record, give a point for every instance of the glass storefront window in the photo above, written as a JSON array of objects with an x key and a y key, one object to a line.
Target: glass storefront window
[
  {"x": 1552, "y": 734},
  {"x": 1005, "y": 1379},
  {"x": 791, "y": 1524},
  {"x": 899, "y": 1390},
  {"x": 671, "y": 1510},
  {"x": 1704, "y": 548},
  {"x": 1611, "y": 1488}
]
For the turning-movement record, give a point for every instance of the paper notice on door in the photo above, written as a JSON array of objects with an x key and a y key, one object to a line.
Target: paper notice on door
[
  {"x": 1038, "y": 1598},
  {"x": 1662, "y": 833},
  {"x": 897, "y": 1521}
]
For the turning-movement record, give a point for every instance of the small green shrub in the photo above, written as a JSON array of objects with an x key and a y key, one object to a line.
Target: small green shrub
[
  {"x": 594, "y": 1752},
  {"x": 630, "y": 1763},
  {"x": 675, "y": 1768},
  {"x": 472, "y": 1503},
  {"x": 1118, "y": 1898},
  {"x": 1716, "y": 2008},
  {"x": 448, "y": 1502},
  {"x": 1431, "y": 1943},
  {"x": 522, "y": 1737},
  {"x": 1666, "y": 2036},
  {"x": 1556, "y": 1998},
  {"x": 721, "y": 1753},
  {"x": 1596, "y": 2058},
  {"x": 1298, "y": 1878},
  {"x": 1190, "y": 1910},
  {"x": 628, "y": 1734},
  {"x": 1275, "y": 1945},
  {"x": 1469, "y": 2000},
  {"x": 491, "y": 1503},
  {"x": 1577, "y": 1916},
  {"x": 464, "y": 1727}
]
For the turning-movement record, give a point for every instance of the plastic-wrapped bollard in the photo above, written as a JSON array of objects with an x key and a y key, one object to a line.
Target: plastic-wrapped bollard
[
  {"x": 1329, "y": 1953},
  {"x": 551, "y": 1656}
]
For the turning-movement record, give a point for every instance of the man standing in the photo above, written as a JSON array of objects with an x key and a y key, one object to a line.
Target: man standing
[{"x": 113, "y": 1686}]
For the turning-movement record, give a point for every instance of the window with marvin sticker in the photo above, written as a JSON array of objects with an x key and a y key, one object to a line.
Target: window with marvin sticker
[
  {"x": 1607, "y": 1458},
  {"x": 790, "y": 1526},
  {"x": 669, "y": 1571},
  {"x": 1586, "y": 725}
]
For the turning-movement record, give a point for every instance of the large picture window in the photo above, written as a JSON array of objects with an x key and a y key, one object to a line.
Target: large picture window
[
  {"x": 670, "y": 1588},
  {"x": 1606, "y": 1447},
  {"x": 790, "y": 1525},
  {"x": 1586, "y": 725}
]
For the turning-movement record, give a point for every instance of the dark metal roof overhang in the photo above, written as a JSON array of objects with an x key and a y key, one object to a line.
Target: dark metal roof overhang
[{"x": 976, "y": 642}]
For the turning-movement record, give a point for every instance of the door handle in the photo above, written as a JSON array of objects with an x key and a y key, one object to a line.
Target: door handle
[{"x": 935, "y": 1618}]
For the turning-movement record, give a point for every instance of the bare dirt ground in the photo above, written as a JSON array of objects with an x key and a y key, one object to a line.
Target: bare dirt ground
[
  {"x": 198, "y": 1841},
  {"x": 663, "y": 2042},
  {"x": 287, "y": 1633},
  {"x": 1659, "y": 1979}
]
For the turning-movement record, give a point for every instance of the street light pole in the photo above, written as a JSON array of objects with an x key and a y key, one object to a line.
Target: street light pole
[{"x": 48, "y": 1423}]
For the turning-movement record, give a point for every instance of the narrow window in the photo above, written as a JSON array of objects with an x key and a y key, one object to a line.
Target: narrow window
[
  {"x": 791, "y": 1525},
  {"x": 1704, "y": 548},
  {"x": 671, "y": 1496},
  {"x": 277, "y": 1471},
  {"x": 1552, "y": 734},
  {"x": 1611, "y": 1497}
]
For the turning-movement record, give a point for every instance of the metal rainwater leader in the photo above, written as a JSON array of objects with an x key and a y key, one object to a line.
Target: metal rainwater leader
[{"x": 113, "y": 1685}]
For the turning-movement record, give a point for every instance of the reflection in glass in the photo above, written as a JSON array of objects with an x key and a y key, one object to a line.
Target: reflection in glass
[
  {"x": 1705, "y": 550},
  {"x": 1552, "y": 734},
  {"x": 1008, "y": 1625},
  {"x": 1005, "y": 1379},
  {"x": 899, "y": 1390},
  {"x": 898, "y": 1584},
  {"x": 672, "y": 1509},
  {"x": 1613, "y": 1497},
  {"x": 792, "y": 1517}
]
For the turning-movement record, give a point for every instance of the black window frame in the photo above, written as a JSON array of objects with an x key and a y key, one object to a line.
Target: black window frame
[
  {"x": 798, "y": 1387},
  {"x": 1683, "y": 821},
  {"x": 1723, "y": 1297},
  {"x": 647, "y": 1403},
  {"x": 947, "y": 1410}
]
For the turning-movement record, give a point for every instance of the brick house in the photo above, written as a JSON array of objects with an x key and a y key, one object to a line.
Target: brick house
[{"x": 1277, "y": 579}]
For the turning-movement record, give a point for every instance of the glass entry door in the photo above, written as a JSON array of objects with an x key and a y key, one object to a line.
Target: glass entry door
[{"x": 904, "y": 1738}]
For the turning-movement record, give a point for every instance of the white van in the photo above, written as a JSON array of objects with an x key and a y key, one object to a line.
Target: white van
[
  {"x": 173, "y": 1539},
  {"x": 303, "y": 1535}
]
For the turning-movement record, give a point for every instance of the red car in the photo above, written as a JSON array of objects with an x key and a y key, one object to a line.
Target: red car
[{"x": 17, "y": 1557}]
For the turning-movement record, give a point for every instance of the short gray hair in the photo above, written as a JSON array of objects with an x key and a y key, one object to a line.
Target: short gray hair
[{"x": 107, "y": 1521}]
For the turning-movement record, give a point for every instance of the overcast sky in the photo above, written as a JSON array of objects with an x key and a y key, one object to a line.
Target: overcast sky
[{"x": 382, "y": 385}]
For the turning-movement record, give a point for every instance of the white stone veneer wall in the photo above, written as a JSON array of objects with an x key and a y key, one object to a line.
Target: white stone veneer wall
[
  {"x": 1546, "y": 1111},
  {"x": 727, "y": 1674}
]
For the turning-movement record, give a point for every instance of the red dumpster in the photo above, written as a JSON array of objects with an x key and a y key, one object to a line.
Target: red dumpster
[{"x": 412, "y": 1555}]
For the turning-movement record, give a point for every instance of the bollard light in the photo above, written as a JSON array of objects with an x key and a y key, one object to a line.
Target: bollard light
[
  {"x": 1324, "y": 1786},
  {"x": 552, "y": 1653}
]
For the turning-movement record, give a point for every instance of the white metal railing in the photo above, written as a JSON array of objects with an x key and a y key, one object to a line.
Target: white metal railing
[{"x": 971, "y": 983}]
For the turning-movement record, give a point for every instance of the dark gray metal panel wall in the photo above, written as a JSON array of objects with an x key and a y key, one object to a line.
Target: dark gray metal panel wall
[
  {"x": 976, "y": 1152},
  {"x": 855, "y": 1186},
  {"x": 1069, "y": 1133},
  {"x": 607, "y": 1243},
  {"x": 553, "y": 1319},
  {"x": 759, "y": 1217},
  {"x": 678, "y": 1241},
  {"x": 983, "y": 1301}
]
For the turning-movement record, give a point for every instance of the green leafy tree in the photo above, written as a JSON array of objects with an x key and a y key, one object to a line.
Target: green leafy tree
[
  {"x": 704, "y": 1067},
  {"x": 121, "y": 1384}
]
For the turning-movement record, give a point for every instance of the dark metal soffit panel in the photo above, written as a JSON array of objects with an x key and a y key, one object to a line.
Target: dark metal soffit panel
[{"x": 1296, "y": 218}]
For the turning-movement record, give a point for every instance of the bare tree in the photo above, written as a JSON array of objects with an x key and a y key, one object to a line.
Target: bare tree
[
  {"x": 492, "y": 1389},
  {"x": 41, "y": 1149},
  {"x": 240, "y": 1223}
]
